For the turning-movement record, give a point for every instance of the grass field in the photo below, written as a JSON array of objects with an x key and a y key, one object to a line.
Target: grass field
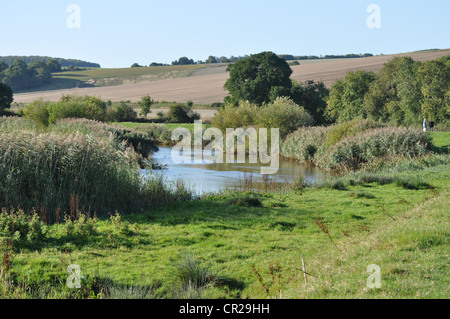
[
  {"x": 195, "y": 83},
  {"x": 253, "y": 245}
]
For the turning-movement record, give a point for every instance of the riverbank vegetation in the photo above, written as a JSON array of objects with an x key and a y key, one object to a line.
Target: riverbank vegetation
[{"x": 72, "y": 194}]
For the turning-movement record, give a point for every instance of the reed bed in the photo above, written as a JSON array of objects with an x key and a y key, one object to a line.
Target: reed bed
[{"x": 76, "y": 163}]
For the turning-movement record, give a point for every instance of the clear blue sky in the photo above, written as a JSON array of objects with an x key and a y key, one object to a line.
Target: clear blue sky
[{"x": 118, "y": 33}]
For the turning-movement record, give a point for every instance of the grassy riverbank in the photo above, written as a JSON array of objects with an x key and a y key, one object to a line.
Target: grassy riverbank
[
  {"x": 240, "y": 244},
  {"x": 249, "y": 245}
]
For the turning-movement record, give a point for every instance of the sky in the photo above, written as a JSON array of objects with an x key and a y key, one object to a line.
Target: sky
[{"x": 119, "y": 33}]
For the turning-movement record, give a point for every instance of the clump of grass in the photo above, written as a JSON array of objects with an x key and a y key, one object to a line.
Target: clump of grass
[
  {"x": 193, "y": 279},
  {"x": 411, "y": 183},
  {"x": 246, "y": 200}
]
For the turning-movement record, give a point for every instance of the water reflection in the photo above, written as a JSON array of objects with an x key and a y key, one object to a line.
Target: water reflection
[{"x": 206, "y": 176}]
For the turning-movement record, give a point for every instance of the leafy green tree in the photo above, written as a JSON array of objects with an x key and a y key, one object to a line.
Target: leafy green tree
[
  {"x": 256, "y": 78},
  {"x": 211, "y": 59},
  {"x": 6, "y": 97},
  {"x": 183, "y": 61},
  {"x": 180, "y": 113},
  {"x": 346, "y": 100},
  {"x": 435, "y": 79},
  {"x": 409, "y": 93},
  {"x": 53, "y": 66},
  {"x": 382, "y": 99},
  {"x": 145, "y": 103}
]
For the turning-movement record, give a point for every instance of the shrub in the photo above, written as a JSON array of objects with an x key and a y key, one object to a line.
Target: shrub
[
  {"x": 38, "y": 111},
  {"x": 21, "y": 227},
  {"x": 88, "y": 107},
  {"x": 284, "y": 114},
  {"x": 244, "y": 115},
  {"x": 180, "y": 113},
  {"x": 120, "y": 113},
  {"x": 246, "y": 200}
]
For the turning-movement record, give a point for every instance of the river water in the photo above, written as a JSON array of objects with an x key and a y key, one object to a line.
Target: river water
[{"x": 206, "y": 176}]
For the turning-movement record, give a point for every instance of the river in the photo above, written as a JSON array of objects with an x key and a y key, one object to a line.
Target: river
[{"x": 207, "y": 177}]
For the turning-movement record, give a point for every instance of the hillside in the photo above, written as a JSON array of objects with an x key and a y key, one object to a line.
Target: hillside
[{"x": 202, "y": 84}]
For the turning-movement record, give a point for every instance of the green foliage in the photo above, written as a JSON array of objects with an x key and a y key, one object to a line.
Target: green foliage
[
  {"x": 403, "y": 93},
  {"x": 6, "y": 97},
  {"x": 122, "y": 112},
  {"x": 45, "y": 171},
  {"x": 337, "y": 132},
  {"x": 22, "y": 227},
  {"x": 351, "y": 152},
  {"x": 303, "y": 144},
  {"x": 244, "y": 115},
  {"x": 346, "y": 100},
  {"x": 69, "y": 106},
  {"x": 145, "y": 103},
  {"x": 353, "y": 144},
  {"x": 246, "y": 200},
  {"x": 284, "y": 114},
  {"x": 20, "y": 76},
  {"x": 181, "y": 113},
  {"x": 435, "y": 78},
  {"x": 81, "y": 225},
  {"x": 38, "y": 111},
  {"x": 254, "y": 78}
]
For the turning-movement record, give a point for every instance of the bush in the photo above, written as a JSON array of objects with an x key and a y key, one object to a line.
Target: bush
[
  {"x": 21, "y": 227},
  {"x": 180, "y": 113},
  {"x": 284, "y": 114},
  {"x": 88, "y": 107},
  {"x": 38, "y": 111},
  {"x": 120, "y": 113},
  {"x": 244, "y": 115}
]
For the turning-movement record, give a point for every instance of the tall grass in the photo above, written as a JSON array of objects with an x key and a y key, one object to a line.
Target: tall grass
[
  {"x": 350, "y": 146},
  {"x": 47, "y": 171},
  {"x": 389, "y": 142}
]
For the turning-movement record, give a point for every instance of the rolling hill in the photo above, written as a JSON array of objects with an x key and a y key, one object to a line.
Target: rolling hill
[{"x": 202, "y": 84}]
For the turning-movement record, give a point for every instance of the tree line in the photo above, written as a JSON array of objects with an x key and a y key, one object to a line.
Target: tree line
[
  {"x": 403, "y": 92},
  {"x": 21, "y": 76},
  {"x": 63, "y": 62}
]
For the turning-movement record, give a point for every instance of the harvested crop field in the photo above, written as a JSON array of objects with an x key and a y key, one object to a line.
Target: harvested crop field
[{"x": 205, "y": 86}]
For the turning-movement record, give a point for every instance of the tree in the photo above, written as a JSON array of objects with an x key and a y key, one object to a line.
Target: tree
[
  {"x": 53, "y": 66},
  {"x": 6, "y": 97},
  {"x": 435, "y": 79},
  {"x": 211, "y": 59},
  {"x": 346, "y": 100},
  {"x": 183, "y": 61},
  {"x": 145, "y": 103},
  {"x": 254, "y": 78},
  {"x": 136, "y": 65}
]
